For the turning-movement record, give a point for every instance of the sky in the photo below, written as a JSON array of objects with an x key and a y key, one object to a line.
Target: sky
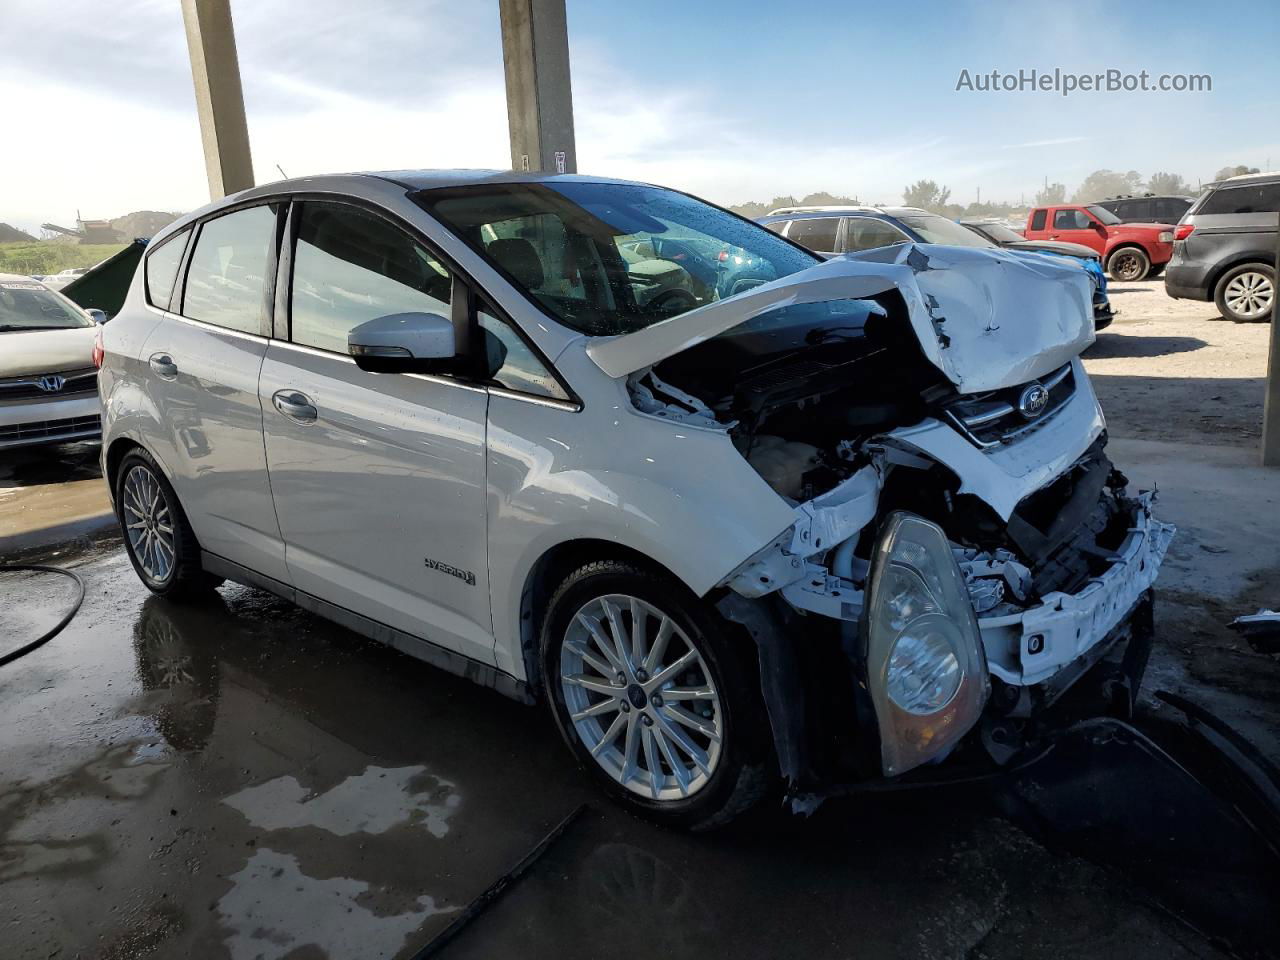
[{"x": 735, "y": 102}]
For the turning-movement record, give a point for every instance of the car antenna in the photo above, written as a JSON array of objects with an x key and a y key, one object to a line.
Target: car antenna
[{"x": 282, "y": 173}]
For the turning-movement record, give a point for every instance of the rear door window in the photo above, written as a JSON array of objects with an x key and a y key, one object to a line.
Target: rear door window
[
  {"x": 817, "y": 233},
  {"x": 1037, "y": 220},
  {"x": 1137, "y": 210},
  {"x": 162, "y": 269},
  {"x": 1254, "y": 198},
  {"x": 778, "y": 226},
  {"x": 351, "y": 266},
  {"x": 1170, "y": 211},
  {"x": 227, "y": 280}
]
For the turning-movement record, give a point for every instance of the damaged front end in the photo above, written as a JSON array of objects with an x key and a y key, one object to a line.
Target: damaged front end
[{"x": 963, "y": 553}]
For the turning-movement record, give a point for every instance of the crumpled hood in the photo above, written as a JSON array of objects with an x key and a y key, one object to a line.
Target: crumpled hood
[
  {"x": 985, "y": 318},
  {"x": 46, "y": 351}
]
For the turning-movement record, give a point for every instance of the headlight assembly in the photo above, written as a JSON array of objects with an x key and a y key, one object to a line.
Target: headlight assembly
[{"x": 926, "y": 670}]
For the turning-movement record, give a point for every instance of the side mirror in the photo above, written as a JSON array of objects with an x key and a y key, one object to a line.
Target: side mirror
[
  {"x": 403, "y": 343},
  {"x": 97, "y": 316}
]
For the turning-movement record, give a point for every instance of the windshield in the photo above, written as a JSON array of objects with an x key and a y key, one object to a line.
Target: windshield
[
  {"x": 935, "y": 229},
  {"x": 1103, "y": 214},
  {"x": 28, "y": 305},
  {"x": 611, "y": 258},
  {"x": 1000, "y": 233}
]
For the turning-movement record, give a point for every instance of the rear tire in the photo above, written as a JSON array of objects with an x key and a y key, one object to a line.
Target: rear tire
[
  {"x": 698, "y": 772},
  {"x": 1128, "y": 265},
  {"x": 1247, "y": 293},
  {"x": 157, "y": 537}
]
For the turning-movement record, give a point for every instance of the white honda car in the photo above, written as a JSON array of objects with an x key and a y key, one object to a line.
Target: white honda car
[
  {"x": 48, "y": 384},
  {"x": 750, "y": 523}
]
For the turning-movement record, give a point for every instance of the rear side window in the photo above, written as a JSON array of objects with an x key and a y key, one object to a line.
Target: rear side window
[
  {"x": 865, "y": 233},
  {"x": 1136, "y": 210},
  {"x": 818, "y": 233},
  {"x": 778, "y": 226},
  {"x": 1254, "y": 198},
  {"x": 1170, "y": 211},
  {"x": 227, "y": 280},
  {"x": 1070, "y": 220},
  {"x": 351, "y": 266},
  {"x": 162, "y": 269},
  {"x": 1037, "y": 220}
]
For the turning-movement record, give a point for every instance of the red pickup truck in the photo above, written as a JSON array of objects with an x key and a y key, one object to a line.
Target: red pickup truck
[{"x": 1129, "y": 251}]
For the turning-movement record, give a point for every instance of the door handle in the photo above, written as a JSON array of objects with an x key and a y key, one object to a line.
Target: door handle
[
  {"x": 164, "y": 366},
  {"x": 295, "y": 406}
]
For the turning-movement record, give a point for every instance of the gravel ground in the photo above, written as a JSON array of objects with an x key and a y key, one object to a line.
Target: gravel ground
[{"x": 1174, "y": 370}]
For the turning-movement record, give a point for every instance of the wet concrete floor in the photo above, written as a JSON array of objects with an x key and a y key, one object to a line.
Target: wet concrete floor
[{"x": 241, "y": 779}]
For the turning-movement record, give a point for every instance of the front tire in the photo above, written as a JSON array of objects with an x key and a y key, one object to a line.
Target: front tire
[
  {"x": 657, "y": 703},
  {"x": 1128, "y": 265},
  {"x": 157, "y": 537},
  {"x": 1247, "y": 294}
]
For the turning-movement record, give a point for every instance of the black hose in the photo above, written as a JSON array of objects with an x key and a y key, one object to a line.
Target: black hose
[{"x": 57, "y": 627}]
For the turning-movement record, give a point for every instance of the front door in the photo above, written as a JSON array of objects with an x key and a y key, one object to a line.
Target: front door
[
  {"x": 378, "y": 479},
  {"x": 1075, "y": 226}
]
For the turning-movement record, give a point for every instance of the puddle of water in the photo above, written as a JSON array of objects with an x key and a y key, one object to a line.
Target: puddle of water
[
  {"x": 274, "y": 909},
  {"x": 370, "y": 802}
]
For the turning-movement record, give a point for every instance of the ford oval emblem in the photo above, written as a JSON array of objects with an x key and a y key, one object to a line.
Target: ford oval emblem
[{"x": 1033, "y": 401}]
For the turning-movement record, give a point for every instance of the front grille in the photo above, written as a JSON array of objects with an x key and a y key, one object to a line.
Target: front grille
[
  {"x": 74, "y": 383},
  {"x": 990, "y": 419},
  {"x": 49, "y": 429}
]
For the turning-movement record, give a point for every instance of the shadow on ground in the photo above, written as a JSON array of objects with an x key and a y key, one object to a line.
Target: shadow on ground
[
  {"x": 1188, "y": 410},
  {"x": 39, "y": 465},
  {"x": 1118, "y": 345}
]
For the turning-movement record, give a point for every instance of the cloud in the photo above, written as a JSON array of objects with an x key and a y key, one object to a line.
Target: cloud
[{"x": 1051, "y": 142}]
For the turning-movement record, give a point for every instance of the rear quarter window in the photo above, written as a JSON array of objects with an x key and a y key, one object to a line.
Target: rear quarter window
[
  {"x": 1254, "y": 198},
  {"x": 162, "y": 268}
]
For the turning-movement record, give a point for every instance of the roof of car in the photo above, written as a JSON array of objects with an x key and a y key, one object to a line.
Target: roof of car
[
  {"x": 16, "y": 278},
  {"x": 1247, "y": 178},
  {"x": 845, "y": 209}
]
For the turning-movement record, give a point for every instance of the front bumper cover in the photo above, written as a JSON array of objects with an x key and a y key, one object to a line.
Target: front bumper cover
[{"x": 1047, "y": 650}]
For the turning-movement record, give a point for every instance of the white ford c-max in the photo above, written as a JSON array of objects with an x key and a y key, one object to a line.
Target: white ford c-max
[{"x": 749, "y": 522}]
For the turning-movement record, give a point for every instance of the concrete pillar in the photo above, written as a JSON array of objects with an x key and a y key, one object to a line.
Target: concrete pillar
[
  {"x": 535, "y": 52},
  {"x": 1271, "y": 400},
  {"x": 211, "y": 41}
]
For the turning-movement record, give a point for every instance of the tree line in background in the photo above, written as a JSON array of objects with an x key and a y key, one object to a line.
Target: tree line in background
[{"x": 930, "y": 195}]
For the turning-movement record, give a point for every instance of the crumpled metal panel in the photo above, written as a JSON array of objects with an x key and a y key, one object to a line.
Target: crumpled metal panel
[{"x": 986, "y": 318}]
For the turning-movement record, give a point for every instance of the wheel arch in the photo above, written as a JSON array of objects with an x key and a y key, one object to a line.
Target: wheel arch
[
  {"x": 547, "y": 573},
  {"x": 1243, "y": 259}
]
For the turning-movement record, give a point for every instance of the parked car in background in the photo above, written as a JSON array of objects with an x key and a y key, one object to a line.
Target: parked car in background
[
  {"x": 48, "y": 383},
  {"x": 832, "y": 230},
  {"x": 1224, "y": 249},
  {"x": 1129, "y": 251},
  {"x": 1148, "y": 208},
  {"x": 1002, "y": 236},
  {"x": 60, "y": 279},
  {"x": 745, "y": 547}
]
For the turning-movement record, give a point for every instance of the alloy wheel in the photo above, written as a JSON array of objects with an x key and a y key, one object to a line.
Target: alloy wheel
[
  {"x": 1250, "y": 295},
  {"x": 641, "y": 698},
  {"x": 148, "y": 523}
]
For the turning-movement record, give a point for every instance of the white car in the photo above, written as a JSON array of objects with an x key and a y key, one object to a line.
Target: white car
[
  {"x": 846, "y": 522},
  {"x": 48, "y": 382},
  {"x": 60, "y": 279}
]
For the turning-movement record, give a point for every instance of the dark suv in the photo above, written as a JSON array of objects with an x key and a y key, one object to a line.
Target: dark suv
[
  {"x": 1225, "y": 248},
  {"x": 1147, "y": 209}
]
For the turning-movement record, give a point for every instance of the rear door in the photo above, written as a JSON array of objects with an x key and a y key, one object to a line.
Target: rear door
[
  {"x": 204, "y": 360},
  {"x": 378, "y": 479}
]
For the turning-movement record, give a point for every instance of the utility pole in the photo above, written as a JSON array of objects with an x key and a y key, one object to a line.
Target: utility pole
[
  {"x": 535, "y": 55},
  {"x": 1271, "y": 399},
  {"x": 211, "y": 41}
]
